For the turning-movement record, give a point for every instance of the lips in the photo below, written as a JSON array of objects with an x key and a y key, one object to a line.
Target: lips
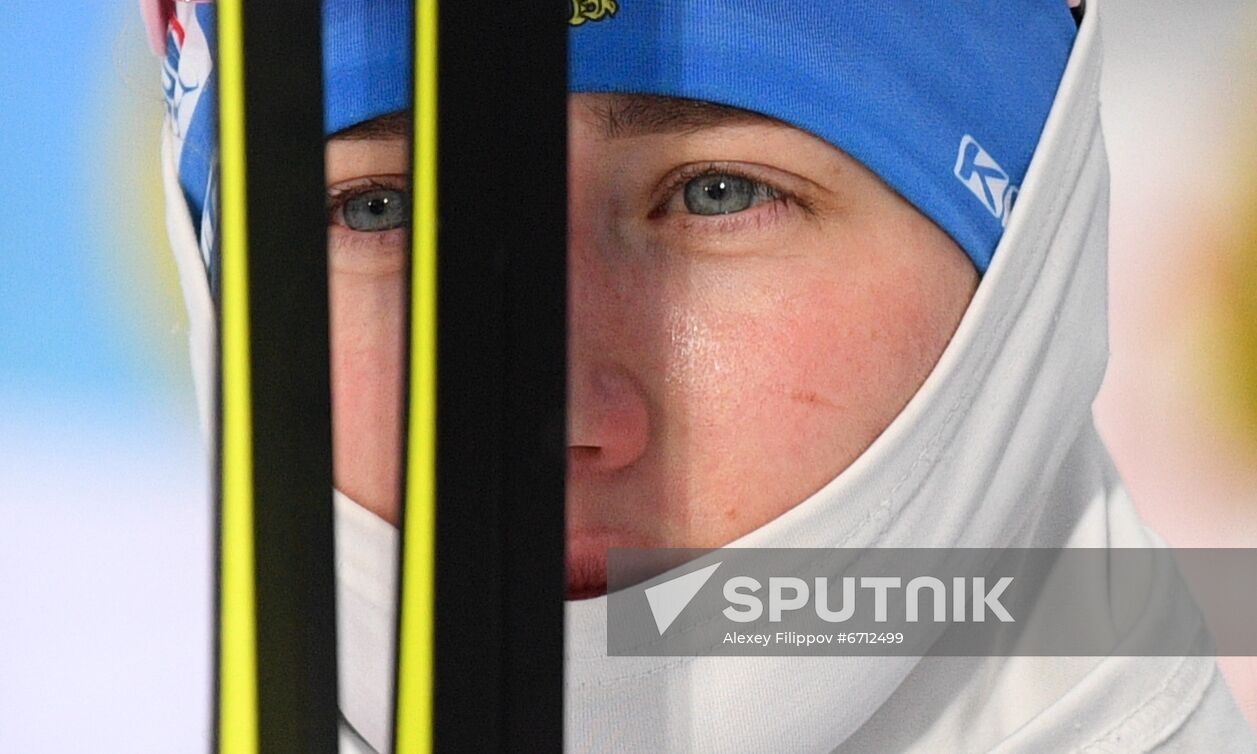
[
  {"x": 586, "y": 568},
  {"x": 586, "y": 579},
  {"x": 587, "y": 560}
]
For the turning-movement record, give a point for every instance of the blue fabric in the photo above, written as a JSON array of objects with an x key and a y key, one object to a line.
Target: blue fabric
[
  {"x": 366, "y": 60},
  {"x": 944, "y": 101}
]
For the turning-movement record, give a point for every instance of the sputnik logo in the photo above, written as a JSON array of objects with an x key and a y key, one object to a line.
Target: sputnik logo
[{"x": 668, "y": 599}]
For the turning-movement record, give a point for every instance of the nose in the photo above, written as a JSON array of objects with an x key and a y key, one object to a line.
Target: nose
[{"x": 608, "y": 423}]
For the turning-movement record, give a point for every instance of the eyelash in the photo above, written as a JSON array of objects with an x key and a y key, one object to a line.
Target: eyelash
[{"x": 781, "y": 200}]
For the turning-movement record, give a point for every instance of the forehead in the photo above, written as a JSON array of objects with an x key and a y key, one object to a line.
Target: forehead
[
  {"x": 628, "y": 115},
  {"x": 614, "y": 116}
]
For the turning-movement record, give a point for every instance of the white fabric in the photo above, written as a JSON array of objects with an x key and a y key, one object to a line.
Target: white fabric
[
  {"x": 202, "y": 324},
  {"x": 349, "y": 742},
  {"x": 366, "y": 578},
  {"x": 997, "y": 449}
]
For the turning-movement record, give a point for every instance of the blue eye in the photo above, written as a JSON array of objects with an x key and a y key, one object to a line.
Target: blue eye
[
  {"x": 721, "y": 194},
  {"x": 376, "y": 210}
]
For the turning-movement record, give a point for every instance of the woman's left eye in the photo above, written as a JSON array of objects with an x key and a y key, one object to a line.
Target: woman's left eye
[
  {"x": 375, "y": 210},
  {"x": 724, "y": 194}
]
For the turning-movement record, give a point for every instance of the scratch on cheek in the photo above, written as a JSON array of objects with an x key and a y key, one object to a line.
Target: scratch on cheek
[
  {"x": 805, "y": 396},
  {"x": 811, "y": 397}
]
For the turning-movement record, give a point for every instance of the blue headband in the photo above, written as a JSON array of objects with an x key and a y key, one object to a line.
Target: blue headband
[
  {"x": 944, "y": 101},
  {"x": 366, "y": 60}
]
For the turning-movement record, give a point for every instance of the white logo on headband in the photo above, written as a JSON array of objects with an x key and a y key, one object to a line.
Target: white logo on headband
[{"x": 989, "y": 182}]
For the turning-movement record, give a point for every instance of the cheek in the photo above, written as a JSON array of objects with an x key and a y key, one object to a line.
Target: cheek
[
  {"x": 366, "y": 340},
  {"x": 772, "y": 388},
  {"x": 860, "y": 351},
  {"x": 783, "y": 366},
  {"x": 753, "y": 373},
  {"x": 367, "y": 366}
]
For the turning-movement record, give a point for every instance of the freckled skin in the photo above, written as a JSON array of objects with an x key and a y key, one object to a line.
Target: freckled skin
[
  {"x": 720, "y": 369},
  {"x": 751, "y": 364}
]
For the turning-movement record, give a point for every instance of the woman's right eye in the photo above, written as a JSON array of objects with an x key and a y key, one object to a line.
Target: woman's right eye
[{"x": 374, "y": 210}]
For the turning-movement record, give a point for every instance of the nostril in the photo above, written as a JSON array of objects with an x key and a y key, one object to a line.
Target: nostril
[
  {"x": 583, "y": 460},
  {"x": 584, "y": 453}
]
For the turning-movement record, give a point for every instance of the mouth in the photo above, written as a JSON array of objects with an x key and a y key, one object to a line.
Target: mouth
[
  {"x": 587, "y": 562},
  {"x": 586, "y": 573}
]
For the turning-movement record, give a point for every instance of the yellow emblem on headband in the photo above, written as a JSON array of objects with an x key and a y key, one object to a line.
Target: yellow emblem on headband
[{"x": 592, "y": 10}]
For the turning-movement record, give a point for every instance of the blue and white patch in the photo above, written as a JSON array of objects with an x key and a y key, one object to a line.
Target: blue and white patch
[{"x": 189, "y": 81}]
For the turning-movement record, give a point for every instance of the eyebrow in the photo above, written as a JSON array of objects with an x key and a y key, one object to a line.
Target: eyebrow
[
  {"x": 627, "y": 115},
  {"x": 391, "y": 126}
]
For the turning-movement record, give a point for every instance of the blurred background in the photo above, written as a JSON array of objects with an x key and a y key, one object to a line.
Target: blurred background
[
  {"x": 104, "y": 517},
  {"x": 1178, "y": 408},
  {"x": 105, "y": 526}
]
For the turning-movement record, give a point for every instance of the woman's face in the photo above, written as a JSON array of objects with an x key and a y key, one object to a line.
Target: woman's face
[{"x": 748, "y": 309}]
